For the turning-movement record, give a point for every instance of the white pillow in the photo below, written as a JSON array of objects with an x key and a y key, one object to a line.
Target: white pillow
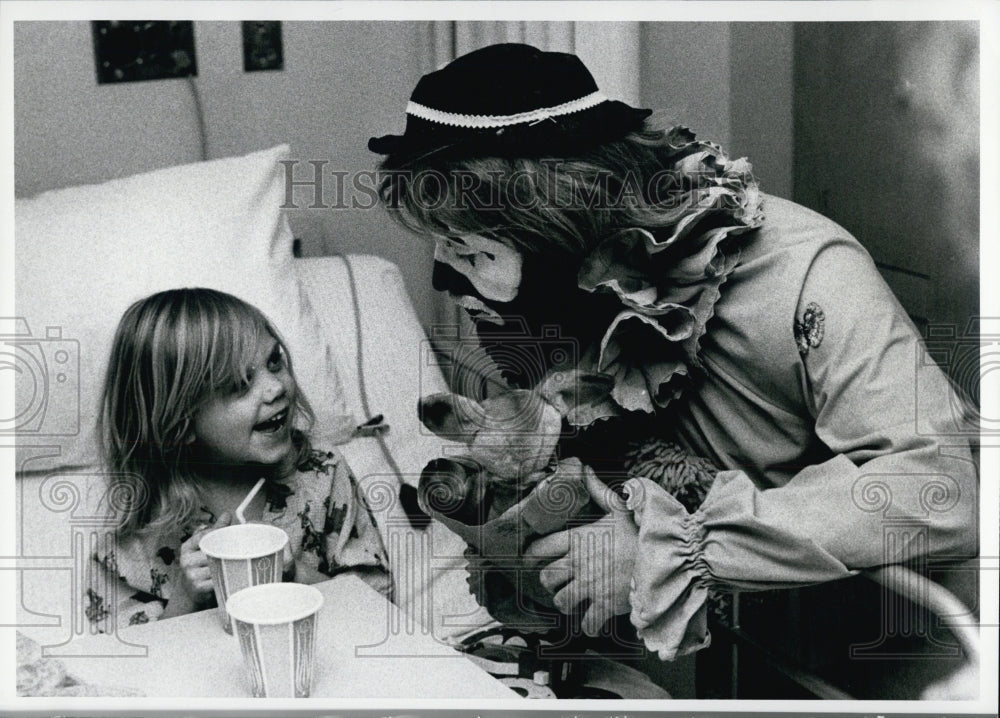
[{"x": 84, "y": 254}]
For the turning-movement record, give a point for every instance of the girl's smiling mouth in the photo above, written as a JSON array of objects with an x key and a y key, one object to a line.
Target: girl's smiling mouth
[{"x": 274, "y": 424}]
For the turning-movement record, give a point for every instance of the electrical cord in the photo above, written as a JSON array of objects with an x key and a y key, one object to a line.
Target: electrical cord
[
  {"x": 362, "y": 387},
  {"x": 199, "y": 116}
]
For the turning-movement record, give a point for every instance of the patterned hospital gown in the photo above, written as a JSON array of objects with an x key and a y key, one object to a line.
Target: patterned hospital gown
[{"x": 320, "y": 506}]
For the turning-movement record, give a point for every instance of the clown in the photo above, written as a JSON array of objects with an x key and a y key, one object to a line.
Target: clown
[{"x": 752, "y": 331}]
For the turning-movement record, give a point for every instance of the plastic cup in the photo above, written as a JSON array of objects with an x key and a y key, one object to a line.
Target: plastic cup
[
  {"x": 275, "y": 624},
  {"x": 241, "y": 556}
]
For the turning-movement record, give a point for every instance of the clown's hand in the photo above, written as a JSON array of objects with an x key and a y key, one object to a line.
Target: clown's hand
[{"x": 591, "y": 564}]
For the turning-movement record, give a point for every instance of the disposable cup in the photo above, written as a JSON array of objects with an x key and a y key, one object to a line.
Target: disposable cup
[
  {"x": 275, "y": 624},
  {"x": 241, "y": 556}
]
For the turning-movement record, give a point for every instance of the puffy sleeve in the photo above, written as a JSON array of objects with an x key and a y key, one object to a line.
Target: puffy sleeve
[{"x": 900, "y": 483}]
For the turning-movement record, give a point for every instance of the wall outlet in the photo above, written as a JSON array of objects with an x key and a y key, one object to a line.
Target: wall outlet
[
  {"x": 136, "y": 50},
  {"x": 262, "y": 49}
]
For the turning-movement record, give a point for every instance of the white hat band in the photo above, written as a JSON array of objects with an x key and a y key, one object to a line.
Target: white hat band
[{"x": 488, "y": 121}]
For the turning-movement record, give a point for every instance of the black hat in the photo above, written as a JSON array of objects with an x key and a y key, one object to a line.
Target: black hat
[{"x": 506, "y": 100}]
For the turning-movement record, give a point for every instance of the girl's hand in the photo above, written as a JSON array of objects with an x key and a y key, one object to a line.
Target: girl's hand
[
  {"x": 196, "y": 578},
  {"x": 298, "y": 571},
  {"x": 288, "y": 563},
  {"x": 591, "y": 563},
  {"x": 304, "y": 573}
]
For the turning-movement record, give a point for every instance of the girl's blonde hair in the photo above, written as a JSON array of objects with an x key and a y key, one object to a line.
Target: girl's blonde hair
[{"x": 172, "y": 352}]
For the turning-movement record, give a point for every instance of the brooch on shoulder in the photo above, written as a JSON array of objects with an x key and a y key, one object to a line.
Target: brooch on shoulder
[{"x": 809, "y": 331}]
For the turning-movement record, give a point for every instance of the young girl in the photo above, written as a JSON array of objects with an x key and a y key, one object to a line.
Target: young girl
[
  {"x": 200, "y": 402},
  {"x": 751, "y": 330}
]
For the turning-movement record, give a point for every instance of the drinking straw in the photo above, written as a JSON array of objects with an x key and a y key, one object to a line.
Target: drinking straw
[{"x": 246, "y": 502}]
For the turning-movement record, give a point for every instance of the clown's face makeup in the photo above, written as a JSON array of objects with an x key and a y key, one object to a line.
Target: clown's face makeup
[{"x": 493, "y": 268}]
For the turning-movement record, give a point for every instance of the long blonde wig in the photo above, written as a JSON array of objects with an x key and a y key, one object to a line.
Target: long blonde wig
[{"x": 556, "y": 206}]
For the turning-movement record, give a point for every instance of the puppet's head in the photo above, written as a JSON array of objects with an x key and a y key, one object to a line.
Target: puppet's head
[{"x": 511, "y": 441}]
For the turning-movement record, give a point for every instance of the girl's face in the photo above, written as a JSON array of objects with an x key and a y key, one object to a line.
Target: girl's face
[{"x": 251, "y": 426}]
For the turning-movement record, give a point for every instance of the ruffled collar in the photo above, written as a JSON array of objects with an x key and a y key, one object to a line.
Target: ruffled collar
[{"x": 669, "y": 279}]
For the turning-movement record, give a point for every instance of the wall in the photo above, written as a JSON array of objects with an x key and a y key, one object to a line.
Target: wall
[
  {"x": 335, "y": 92},
  {"x": 69, "y": 131},
  {"x": 729, "y": 82},
  {"x": 685, "y": 76},
  {"x": 887, "y": 145},
  {"x": 342, "y": 83},
  {"x": 760, "y": 96}
]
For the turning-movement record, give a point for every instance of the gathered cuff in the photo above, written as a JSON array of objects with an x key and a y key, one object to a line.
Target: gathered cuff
[
  {"x": 671, "y": 579},
  {"x": 728, "y": 542}
]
